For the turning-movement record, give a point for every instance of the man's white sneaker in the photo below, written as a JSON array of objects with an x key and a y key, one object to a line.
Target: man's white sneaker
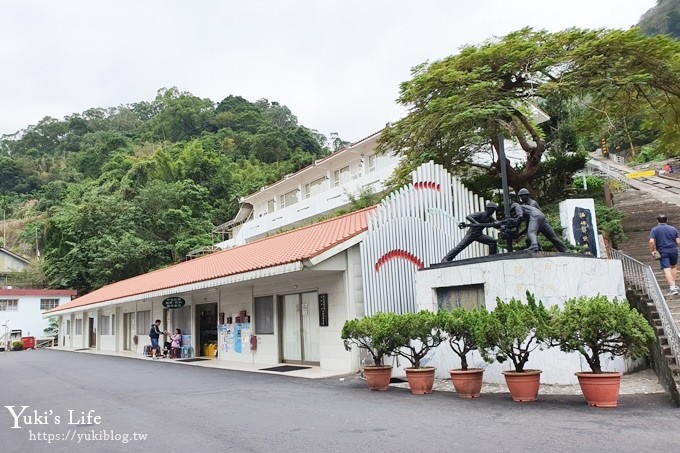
[{"x": 673, "y": 291}]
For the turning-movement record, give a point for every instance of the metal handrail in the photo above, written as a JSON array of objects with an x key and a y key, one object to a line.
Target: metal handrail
[{"x": 641, "y": 277}]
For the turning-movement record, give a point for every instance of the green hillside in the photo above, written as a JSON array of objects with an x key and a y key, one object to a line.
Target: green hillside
[
  {"x": 662, "y": 19},
  {"x": 110, "y": 193}
]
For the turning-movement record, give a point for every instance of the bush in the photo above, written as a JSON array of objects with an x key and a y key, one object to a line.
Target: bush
[
  {"x": 416, "y": 334},
  {"x": 516, "y": 329},
  {"x": 373, "y": 334},
  {"x": 596, "y": 326},
  {"x": 465, "y": 331}
]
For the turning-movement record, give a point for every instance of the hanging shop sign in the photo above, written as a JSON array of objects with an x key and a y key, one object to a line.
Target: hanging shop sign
[{"x": 174, "y": 302}]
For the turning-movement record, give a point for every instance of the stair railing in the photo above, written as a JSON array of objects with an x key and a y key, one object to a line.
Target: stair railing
[{"x": 641, "y": 277}]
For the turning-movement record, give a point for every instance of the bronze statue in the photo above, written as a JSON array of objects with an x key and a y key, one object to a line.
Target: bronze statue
[
  {"x": 478, "y": 221},
  {"x": 535, "y": 223}
]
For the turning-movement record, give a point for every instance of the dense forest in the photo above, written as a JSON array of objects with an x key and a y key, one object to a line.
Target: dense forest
[
  {"x": 111, "y": 193},
  {"x": 662, "y": 19}
]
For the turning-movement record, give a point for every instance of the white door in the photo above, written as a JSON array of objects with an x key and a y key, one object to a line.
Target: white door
[
  {"x": 128, "y": 331},
  {"x": 300, "y": 328}
]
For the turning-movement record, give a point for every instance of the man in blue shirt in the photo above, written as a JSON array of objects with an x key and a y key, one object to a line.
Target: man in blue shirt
[
  {"x": 664, "y": 241},
  {"x": 154, "y": 335}
]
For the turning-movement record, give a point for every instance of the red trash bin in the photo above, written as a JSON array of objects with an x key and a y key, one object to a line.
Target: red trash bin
[{"x": 29, "y": 342}]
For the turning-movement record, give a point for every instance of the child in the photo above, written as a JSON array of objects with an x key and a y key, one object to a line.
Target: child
[{"x": 176, "y": 344}]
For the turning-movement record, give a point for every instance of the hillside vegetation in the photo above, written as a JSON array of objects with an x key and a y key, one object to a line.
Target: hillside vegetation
[
  {"x": 662, "y": 19},
  {"x": 107, "y": 194}
]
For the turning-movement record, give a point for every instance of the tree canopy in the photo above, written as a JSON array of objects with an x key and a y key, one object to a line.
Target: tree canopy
[
  {"x": 613, "y": 82},
  {"x": 110, "y": 193}
]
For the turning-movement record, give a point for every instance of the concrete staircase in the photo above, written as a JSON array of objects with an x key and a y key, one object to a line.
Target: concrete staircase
[{"x": 640, "y": 210}]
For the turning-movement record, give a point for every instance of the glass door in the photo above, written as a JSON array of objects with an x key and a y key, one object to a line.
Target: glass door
[
  {"x": 310, "y": 327},
  {"x": 291, "y": 340},
  {"x": 128, "y": 331},
  {"x": 300, "y": 328}
]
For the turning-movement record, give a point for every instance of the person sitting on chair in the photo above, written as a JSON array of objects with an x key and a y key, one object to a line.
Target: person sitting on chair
[
  {"x": 478, "y": 221},
  {"x": 175, "y": 344}
]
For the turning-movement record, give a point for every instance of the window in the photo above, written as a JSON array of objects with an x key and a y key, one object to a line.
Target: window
[
  {"x": 290, "y": 198},
  {"x": 371, "y": 163},
  {"x": 264, "y": 315},
  {"x": 48, "y": 304},
  {"x": 143, "y": 322},
  {"x": 271, "y": 206},
  {"x": 113, "y": 324},
  {"x": 341, "y": 176},
  {"x": 68, "y": 327},
  {"x": 79, "y": 326},
  {"x": 9, "y": 304},
  {"x": 467, "y": 296},
  {"x": 315, "y": 187},
  {"x": 105, "y": 325}
]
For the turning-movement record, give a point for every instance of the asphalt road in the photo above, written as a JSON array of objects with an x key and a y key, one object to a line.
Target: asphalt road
[{"x": 183, "y": 408}]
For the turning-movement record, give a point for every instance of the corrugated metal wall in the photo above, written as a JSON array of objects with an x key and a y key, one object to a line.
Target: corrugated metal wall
[{"x": 411, "y": 229}]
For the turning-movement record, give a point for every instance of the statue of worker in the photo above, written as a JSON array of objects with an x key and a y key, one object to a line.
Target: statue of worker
[
  {"x": 478, "y": 221},
  {"x": 535, "y": 223},
  {"x": 525, "y": 198}
]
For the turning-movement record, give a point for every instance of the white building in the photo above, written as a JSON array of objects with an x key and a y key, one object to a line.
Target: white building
[
  {"x": 273, "y": 298},
  {"x": 23, "y": 310},
  {"x": 310, "y": 193}
]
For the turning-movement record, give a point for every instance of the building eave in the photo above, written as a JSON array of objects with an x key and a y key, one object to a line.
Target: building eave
[{"x": 206, "y": 284}]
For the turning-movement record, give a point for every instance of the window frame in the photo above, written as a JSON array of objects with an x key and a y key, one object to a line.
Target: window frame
[
  {"x": 338, "y": 176},
  {"x": 51, "y": 301},
  {"x": 9, "y": 305}
]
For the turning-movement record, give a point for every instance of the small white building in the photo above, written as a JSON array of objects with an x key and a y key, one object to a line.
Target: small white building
[{"x": 23, "y": 309}]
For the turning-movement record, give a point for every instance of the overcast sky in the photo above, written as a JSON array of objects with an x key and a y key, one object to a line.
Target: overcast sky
[{"x": 337, "y": 64}]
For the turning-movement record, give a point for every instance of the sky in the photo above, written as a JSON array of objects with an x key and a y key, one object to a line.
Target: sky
[{"x": 336, "y": 64}]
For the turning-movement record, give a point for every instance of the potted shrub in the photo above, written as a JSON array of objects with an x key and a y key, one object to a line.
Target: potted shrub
[
  {"x": 416, "y": 334},
  {"x": 17, "y": 345},
  {"x": 372, "y": 334},
  {"x": 595, "y": 327},
  {"x": 464, "y": 330},
  {"x": 514, "y": 330}
]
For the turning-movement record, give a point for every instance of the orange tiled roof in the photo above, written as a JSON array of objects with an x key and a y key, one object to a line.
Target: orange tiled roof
[{"x": 289, "y": 247}]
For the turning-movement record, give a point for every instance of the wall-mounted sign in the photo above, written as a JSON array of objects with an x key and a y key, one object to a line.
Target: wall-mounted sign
[
  {"x": 323, "y": 310},
  {"x": 174, "y": 302}
]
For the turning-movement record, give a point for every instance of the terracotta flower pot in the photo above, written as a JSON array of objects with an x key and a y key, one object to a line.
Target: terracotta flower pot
[
  {"x": 523, "y": 386},
  {"x": 468, "y": 383},
  {"x": 420, "y": 380},
  {"x": 600, "y": 389},
  {"x": 378, "y": 377}
]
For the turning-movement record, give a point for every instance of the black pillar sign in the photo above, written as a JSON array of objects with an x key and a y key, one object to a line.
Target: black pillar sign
[
  {"x": 323, "y": 310},
  {"x": 174, "y": 302}
]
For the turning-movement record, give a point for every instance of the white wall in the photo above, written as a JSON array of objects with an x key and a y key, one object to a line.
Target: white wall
[
  {"x": 29, "y": 317},
  {"x": 339, "y": 277},
  {"x": 553, "y": 280}
]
